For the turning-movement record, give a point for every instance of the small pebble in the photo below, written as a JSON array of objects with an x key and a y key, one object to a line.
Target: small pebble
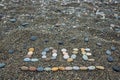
[
  {"x": 11, "y": 51},
  {"x": 91, "y": 67},
  {"x": 63, "y": 50},
  {"x": 116, "y": 68},
  {"x": 31, "y": 49},
  {"x": 61, "y": 68},
  {"x": 83, "y": 68},
  {"x": 82, "y": 49},
  {"x": 60, "y": 42},
  {"x": 40, "y": 69},
  {"x": 75, "y": 49},
  {"x": 73, "y": 56},
  {"x": 91, "y": 59},
  {"x": 110, "y": 59},
  {"x": 47, "y": 69},
  {"x": 53, "y": 57},
  {"x": 108, "y": 52},
  {"x": 44, "y": 56},
  {"x": 32, "y": 68},
  {"x": 47, "y": 59},
  {"x": 25, "y": 24},
  {"x": 54, "y": 51},
  {"x": 24, "y": 68},
  {"x": 87, "y": 49},
  {"x": 33, "y": 38},
  {"x": 34, "y": 59},
  {"x": 76, "y": 67},
  {"x": 100, "y": 67},
  {"x": 99, "y": 44},
  {"x": 88, "y": 54},
  {"x": 2, "y": 65},
  {"x": 30, "y": 53},
  {"x": 54, "y": 54},
  {"x": 44, "y": 53},
  {"x": 84, "y": 53},
  {"x": 86, "y": 39},
  {"x": 68, "y": 68},
  {"x": 55, "y": 69},
  {"x": 75, "y": 52},
  {"x": 27, "y": 60},
  {"x": 46, "y": 49},
  {"x": 28, "y": 56},
  {"x": 85, "y": 57},
  {"x": 69, "y": 60},
  {"x": 66, "y": 56},
  {"x": 113, "y": 48},
  {"x": 46, "y": 40},
  {"x": 13, "y": 20}
]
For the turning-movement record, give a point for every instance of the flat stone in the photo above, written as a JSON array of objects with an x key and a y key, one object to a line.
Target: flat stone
[
  {"x": 61, "y": 68},
  {"x": 34, "y": 59},
  {"x": 10, "y": 51},
  {"x": 116, "y": 68},
  {"x": 27, "y": 60},
  {"x": 83, "y": 68},
  {"x": 44, "y": 56},
  {"x": 75, "y": 52},
  {"x": 25, "y": 24},
  {"x": 87, "y": 49},
  {"x": 76, "y": 68},
  {"x": 83, "y": 49},
  {"x": 40, "y": 69},
  {"x": 32, "y": 68},
  {"x": 91, "y": 67},
  {"x": 31, "y": 49},
  {"x": 2, "y": 65},
  {"x": 88, "y": 54},
  {"x": 33, "y": 38},
  {"x": 83, "y": 52},
  {"x": 86, "y": 39},
  {"x": 68, "y": 68},
  {"x": 110, "y": 59},
  {"x": 44, "y": 53},
  {"x": 100, "y": 67},
  {"x": 54, "y": 54},
  {"x": 85, "y": 57},
  {"x": 69, "y": 60},
  {"x": 99, "y": 44},
  {"x": 75, "y": 49},
  {"x": 91, "y": 59},
  {"x": 73, "y": 56},
  {"x": 28, "y": 56},
  {"x": 55, "y": 68},
  {"x": 63, "y": 50},
  {"x": 108, "y": 52},
  {"x": 24, "y": 68},
  {"x": 113, "y": 48},
  {"x": 13, "y": 20},
  {"x": 66, "y": 56},
  {"x": 47, "y": 69}
]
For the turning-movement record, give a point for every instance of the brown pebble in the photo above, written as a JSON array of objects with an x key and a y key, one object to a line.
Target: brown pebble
[
  {"x": 83, "y": 68},
  {"x": 32, "y": 68},
  {"x": 69, "y": 60},
  {"x": 24, "y": 68},
  {"x": 100, "y": 67},
  {"x": 55, "y": 69},
  {"x": 31, "y": 49},
  {"x": 61, "y": 68},
  {"x": 82, "y": 49},
  {"x": 91, "y": 59}
]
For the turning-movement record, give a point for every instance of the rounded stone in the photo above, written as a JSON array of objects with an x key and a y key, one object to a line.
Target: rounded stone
[
  {"x": 30, "y": 53},
  {"x": 10, "y": 51},
  {"x": 85, "y": 57},
  {"x": 31, "y": 49},
  {"x": 65, "y": 53},
  {"x": 76, "y": 68},
  {"x": 116, "y": 68},
  {"x": 83, "y": 68},
  {"x": 99, "y": 44},
  {"x": 55, "y": 68},
  {"x": 83, "y": 52},
  {"x": 44, "y": 56},
  {"x": 100, "y": 67},
  {"x": 87, "y": 49},
  {"x": 33, "y": 38},
  {"x": 66, "y": 56},
  {"x": 44, "y": 53},
  {"x": 75, "y": 49},
  {"x": 86, "y": 39},
  {"x": 24, "y": 68},
  {"x": 32, "y": 68},
  {"x": 54, "y": 54},
  {"x": 108, "y": 52},
  {"x": 73, "y": 56},
  {"x": 91, "y": 67},
  {"x": 75, "y": 52},
  {"x": 110, "y": 59},
  {"x": 40, "y": 69},
  {"x": 69, "y": 60},
  {"x": 2, "y": 65},
  {"x": 63, "y": 50},
  {"x": 24, "y": 24},
  {"x": 88, "y": 54},
  {"x": 68, "y": 68},
  {"x": 27, "y": 60},
  {"x": 47, "y": 69},
  {"x": 34, "y": 59},
  {"x": 61, "y": 68},
  {"x": 13, "y": 20},
  {"x": 82, "y": 49},
  {"x": 54, "y": 51},
  {"x": 113, "y": 48}
]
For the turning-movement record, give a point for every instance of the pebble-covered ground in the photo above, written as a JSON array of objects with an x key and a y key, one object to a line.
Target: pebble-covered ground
[{"x": 69, "y": 24}]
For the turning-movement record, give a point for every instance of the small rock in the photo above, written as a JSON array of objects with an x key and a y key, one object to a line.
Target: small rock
[
  {"x": 25, "y": 24},
  {"x": 66, "y": 56},
  {"x": 88, "y": 54},
  {"x": 75, "y": 49},
  {"x": 46, "y": 40},
  {"x": 73, "y": 56},
  {"x": 110, "y": 59},
  {"x": 116, "y": 68},
  {"x": 54, "y": 51},
  {"x": 69, "y": 60},
  {"x": 40, "y": 69},
  {"x": 44, "y": 56},
  {"x": 44, "y": 53},
  {"x": 76, "y": 67},
  {"x": 11, "y": 51},
  {"x": 99, "y": 44},
  {"x": 47, "y": 59},
  {"x": 91, "y": 59},
  {"x": 75, "y": 52},
  {"x": 32, "y": 68},
  {"x": 85, "y": 57},
  {"x": 2, "y": 65},
  {"x": 83, "y": 68},
  {"x": 100, "y": 67},
  {"x": 46, "y": 49},
  {"x": 24, "y": 68},
  {"x": 27, "y": 60},
  {"x": 113, "y": 48},
  {"x": 86, "y": 39},
  {"x": 61, "y": 68},
  {"x": 91, "y": 67},
  {"x": 54, "y": 54},
  {"x": 30, "y": 53},
  {"x": 55, "y": 69},
  {"x": 13, "y": 20},
  {"x": 108, "y": 52},
  {"x": 31, "y": 49},
  {"x": 34, "y": 59},
  {"x": 33, "y": 38},
  {"x": 64, "y": 50},
  {"x": 87, "y": 49},
  {"x": 68, "y": 68},
  {"x": 60, "y": 42},
  {"x": 82, "y": 49},
  {"x": 47, "y": 69},
  {"x": 53, "y": 57}
]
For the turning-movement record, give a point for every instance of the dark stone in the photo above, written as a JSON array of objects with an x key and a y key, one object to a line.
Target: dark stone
[
  {"x": 73, "y": 39},
  {"x": 86, "y": 39},
  {"x": 13, "y": 20},
  {"x": 33, "y": 38},
  {"x": 60, "y": 42},
  {"x": 110, "y": 59},
  {"x": 25, "y": 24},
  {"x": 2, "y": 65},
  {"x": 10, "y": 51},
  {"x": 1, "y": 15},
  {"x": 116, "y": 68},
  {"x": 46, "y": 40},
  {"x": 113, "y": 48},
  {"x": 40, "y": 69}
]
